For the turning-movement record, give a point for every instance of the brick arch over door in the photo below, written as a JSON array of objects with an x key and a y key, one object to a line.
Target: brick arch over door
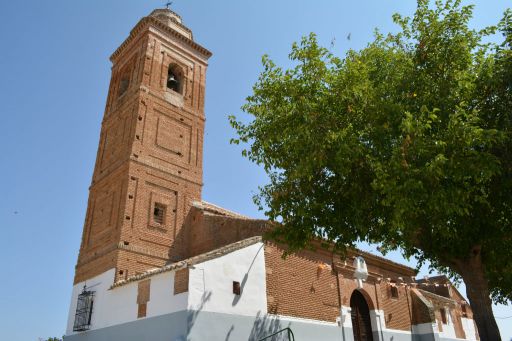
[{"x": 360, "y": 305}]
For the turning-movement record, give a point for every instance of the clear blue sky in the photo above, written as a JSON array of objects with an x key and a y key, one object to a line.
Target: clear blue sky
[{"x": 54, "y": 77}]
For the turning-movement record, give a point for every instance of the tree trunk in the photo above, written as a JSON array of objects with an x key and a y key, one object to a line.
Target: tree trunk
[{"x": 477, "y": 290}]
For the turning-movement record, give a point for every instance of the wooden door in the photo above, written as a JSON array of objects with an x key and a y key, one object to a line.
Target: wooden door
[{"x": 361, "y": 324}]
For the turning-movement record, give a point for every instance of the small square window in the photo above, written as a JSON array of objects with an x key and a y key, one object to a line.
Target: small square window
[
  {"x": 236, "y": 288},
  {"x": 159, "y": 213}
]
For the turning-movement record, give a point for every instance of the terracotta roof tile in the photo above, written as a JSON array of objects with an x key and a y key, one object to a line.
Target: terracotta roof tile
[
  {"x": 191, "y": 261},
  {"x": 209, "y": 207}
]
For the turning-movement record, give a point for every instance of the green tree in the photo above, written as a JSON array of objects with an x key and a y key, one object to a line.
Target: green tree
[{"x": 406, "y": 143}]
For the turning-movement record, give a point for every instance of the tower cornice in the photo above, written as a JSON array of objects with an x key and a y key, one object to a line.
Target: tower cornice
[{"x": 152, "y": 21}]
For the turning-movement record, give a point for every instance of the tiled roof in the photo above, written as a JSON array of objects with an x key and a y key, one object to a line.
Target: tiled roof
[
  {"x": 209, "y": 207},
  {"x": 440, "y": 279},
  {"x": 212, "y": 208},
  {"x": 191, "y": 261},
  {"x": 437, "y": 298}
]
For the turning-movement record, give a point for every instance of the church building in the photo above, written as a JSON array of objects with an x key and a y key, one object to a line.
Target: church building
[{"x": 158, "y": 263}]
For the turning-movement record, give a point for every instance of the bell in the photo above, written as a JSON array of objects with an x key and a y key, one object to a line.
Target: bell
[{"x": 172, "y": 79}]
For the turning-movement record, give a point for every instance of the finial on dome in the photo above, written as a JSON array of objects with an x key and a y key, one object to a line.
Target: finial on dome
[{"x": 169, "y": 4}]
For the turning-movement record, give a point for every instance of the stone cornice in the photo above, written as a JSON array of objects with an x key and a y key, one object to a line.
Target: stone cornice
[{"x": 147, "y": 21}]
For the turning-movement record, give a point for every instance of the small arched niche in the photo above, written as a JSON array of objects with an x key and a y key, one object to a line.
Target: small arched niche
[{"x": 175, "y": 78}]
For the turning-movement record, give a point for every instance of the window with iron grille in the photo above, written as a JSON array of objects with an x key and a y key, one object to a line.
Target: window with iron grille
[
  {"x": 159, "y": 213},
  {"x": 83, "y": 313}
]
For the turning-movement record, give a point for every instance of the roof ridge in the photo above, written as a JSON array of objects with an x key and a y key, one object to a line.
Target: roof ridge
[
  {"x": 203, "y": 204},
  {"x": 436, "y": 296}
]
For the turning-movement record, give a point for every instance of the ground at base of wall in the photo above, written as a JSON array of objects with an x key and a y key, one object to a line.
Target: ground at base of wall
[{"x": 202, "y": 325}]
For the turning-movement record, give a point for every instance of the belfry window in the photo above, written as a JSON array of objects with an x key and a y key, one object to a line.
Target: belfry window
[
  {"x": 174, "y": 78},
  {"x": 159, "y": 213},
  {"x": 83, "y": 313}
]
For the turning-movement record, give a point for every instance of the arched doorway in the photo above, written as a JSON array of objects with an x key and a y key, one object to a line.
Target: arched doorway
[{"x": 361, "y": 324}]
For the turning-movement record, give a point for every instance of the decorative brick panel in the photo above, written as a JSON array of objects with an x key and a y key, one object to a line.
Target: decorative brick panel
[
  {"x": 181, "y": 281},
  {"x": 143, "y": 296},
  {"x": 143, "y": 291},
  {"x": 141, "y": 310}
]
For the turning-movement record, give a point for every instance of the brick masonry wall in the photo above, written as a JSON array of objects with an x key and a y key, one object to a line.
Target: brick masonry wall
[
  {"x": 396, "y": 310},
  {"x": 150, "y": 152},
  {"x": 303, "y": 285},
  {"x": 422, "y": 309},
  {"x": 300, "y": 286},
  {"x": 205, "y": 232}
]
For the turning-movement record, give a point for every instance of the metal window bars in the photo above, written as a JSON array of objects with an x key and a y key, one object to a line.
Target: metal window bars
[{"x": 83, "y": 313}]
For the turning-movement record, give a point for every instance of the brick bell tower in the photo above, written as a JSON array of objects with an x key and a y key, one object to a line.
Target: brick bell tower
[{"x": 149, "y": 162}]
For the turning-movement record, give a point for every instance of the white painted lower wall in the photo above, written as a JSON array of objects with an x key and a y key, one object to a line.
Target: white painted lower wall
[
  {"x": 469, "y": 328},
  {"x": 345, "y": 319},
  {"x": 424, "y": 328},
  {"x": 162, "y": 299},
  {"x": 448, "y": 330},
  {"x": 119, "y": 305},
  {"x": 100, "y": 285},
  {"x": 211, "y": 283}
]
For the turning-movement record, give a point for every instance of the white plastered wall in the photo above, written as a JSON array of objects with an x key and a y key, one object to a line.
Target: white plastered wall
[
  {"x": 448, "y": 328},
  {"x": 469, "y": 328},
  {"x": 211, "y": 283},
  {"x": 424, "y": 328},
  {"x": 119, "y": 305},
  {"x": 345, "y": 319},
  {"x": 162, "y": 299},
  {"x": 378, "y": 321}
]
